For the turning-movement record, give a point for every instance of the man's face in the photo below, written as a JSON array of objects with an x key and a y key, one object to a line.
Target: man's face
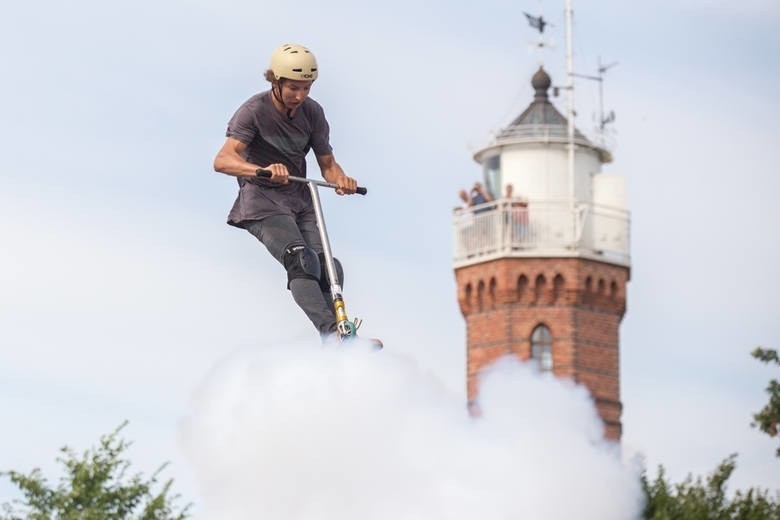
[{"x": 294, "y": 92}]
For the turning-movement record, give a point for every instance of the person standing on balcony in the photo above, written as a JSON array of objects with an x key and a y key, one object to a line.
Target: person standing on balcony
[
  {"x": 516, "y": 215},
  {"x": 466, "y": 201},
  {"x": 480, "y": 196},
  {"x": 464, "y": 220}
]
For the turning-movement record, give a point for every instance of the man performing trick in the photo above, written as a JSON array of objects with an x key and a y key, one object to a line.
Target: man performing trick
[{"x": 274, "y": 130}]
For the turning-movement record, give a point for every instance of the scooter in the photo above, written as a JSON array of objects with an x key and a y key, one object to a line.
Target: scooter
[{"x": 346, "y": 328}]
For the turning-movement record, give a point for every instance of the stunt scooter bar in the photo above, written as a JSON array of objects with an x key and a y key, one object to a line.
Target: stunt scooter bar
[
  {"x": 260, "y": 172},
  {"x": 346, "y": 328}
]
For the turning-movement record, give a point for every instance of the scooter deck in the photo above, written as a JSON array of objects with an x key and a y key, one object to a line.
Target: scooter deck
[{"x": 375, "y": 343}]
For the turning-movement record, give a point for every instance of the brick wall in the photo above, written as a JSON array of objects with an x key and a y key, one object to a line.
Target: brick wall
[{"x": 581, "y": 302}]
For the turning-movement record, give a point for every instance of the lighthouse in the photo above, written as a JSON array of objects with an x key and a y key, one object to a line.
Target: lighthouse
[{"x": 541, "y": 270}]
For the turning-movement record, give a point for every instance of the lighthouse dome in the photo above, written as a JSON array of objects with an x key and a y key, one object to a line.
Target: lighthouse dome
[{"x": 541, "y": 119}]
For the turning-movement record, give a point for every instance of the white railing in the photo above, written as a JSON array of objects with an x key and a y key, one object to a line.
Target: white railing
[
  {"x": 540, "y": 228},
  {"x": 536, "y": 132}
]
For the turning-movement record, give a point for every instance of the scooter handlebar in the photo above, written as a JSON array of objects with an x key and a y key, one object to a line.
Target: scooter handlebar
[{"x": 266, "y": 174}]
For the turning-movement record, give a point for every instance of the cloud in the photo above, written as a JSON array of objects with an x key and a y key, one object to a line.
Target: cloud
[{"x": 299, "y": 431}]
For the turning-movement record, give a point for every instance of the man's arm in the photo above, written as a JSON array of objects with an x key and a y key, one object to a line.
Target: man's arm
[
  {"x": 485, "y": 194},
  {"x": 332, "y": 172},
  {"x": 230, "y": 161}
]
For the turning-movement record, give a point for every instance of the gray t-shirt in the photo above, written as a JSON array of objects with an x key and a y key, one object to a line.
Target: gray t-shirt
[{"x": 271, "y": 137}]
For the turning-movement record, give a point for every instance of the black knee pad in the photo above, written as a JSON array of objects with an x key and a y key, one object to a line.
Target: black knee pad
[
  {"x": 301, "y": 261},
  {"x": 324, "y": 283}
]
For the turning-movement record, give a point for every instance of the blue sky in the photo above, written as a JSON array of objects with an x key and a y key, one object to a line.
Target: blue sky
[{"x": 121, "y": 287}]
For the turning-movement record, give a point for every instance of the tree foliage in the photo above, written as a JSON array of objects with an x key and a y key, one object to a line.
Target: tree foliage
[
  {"x": 95, "y": 486},
  {"x": 768, "y": 418},
  {"x": 706, "y": 500}
]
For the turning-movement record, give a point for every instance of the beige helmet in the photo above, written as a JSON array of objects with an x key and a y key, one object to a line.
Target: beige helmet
[{"x": 293, "y": 61}]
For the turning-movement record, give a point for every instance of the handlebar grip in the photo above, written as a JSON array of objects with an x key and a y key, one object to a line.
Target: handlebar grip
[
  {"x": 361, "y": 190},
  {"x": 261, "y": 172}
]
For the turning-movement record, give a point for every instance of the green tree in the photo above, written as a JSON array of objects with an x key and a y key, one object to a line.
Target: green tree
[
  {"x": 706, "y": 500},
  {"x": 95, "y": 486},
  {"x": 768, "y": 418}
]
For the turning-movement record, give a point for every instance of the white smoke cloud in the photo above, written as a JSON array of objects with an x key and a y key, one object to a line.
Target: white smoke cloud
[{"x": 305, "y": 432}]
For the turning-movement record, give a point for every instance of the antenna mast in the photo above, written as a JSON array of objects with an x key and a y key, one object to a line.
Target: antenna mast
[{"x": 570, "y": 97}]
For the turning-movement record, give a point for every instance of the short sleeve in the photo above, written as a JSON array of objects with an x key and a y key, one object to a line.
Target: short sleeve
[
  {"x": 320, "y": 137},
  {"x": 242, "y": 125}
]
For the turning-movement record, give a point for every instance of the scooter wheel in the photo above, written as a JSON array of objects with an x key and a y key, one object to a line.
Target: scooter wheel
[{"x": 347, "y": 330}]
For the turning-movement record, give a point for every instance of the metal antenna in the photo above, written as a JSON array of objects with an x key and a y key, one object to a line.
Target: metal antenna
[
  {"x": 611, "y": 116},
  {"x": 603, "y": 119}
]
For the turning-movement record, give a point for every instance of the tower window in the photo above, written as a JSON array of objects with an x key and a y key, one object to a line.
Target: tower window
[
  {"x": 522, "y": 286},
  {"x": 541, "y": 348},
  {"x": 588, "y": 297},
  {"x": 492, "y": 172},
  {"x": 557, "y": 287},
  {"x": 539, "y": 289}
]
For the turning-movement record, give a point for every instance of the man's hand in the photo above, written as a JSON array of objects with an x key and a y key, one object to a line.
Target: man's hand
[
  {"x": 332, "y": 172},
  {"x": 346, "y": 185},
  {"x": 279, "y": 173}
]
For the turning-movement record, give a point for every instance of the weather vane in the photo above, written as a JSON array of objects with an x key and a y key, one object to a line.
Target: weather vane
[{"x": 539, "y": 23}]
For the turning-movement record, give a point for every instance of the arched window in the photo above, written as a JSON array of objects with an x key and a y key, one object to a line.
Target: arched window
[
  {"x": 588, "y": 297},
  {"x": 522, "y": 288},
  {"x": 481, "y": 296},
  {"x": 557, "y": 288},
  {"x": 541, "y": 348},
  {"x": 539, "y": 289},
  {"x": 492, "y": 293}
]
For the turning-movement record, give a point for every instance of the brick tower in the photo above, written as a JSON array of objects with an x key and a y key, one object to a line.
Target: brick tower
[{"x": 541, "y": 271}]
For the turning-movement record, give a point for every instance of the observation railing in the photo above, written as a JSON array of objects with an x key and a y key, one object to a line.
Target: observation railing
[{"x": 508, "y": 227}]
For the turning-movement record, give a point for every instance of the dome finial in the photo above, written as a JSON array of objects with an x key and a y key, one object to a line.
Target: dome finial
[{"x": 541, "y": 83}]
